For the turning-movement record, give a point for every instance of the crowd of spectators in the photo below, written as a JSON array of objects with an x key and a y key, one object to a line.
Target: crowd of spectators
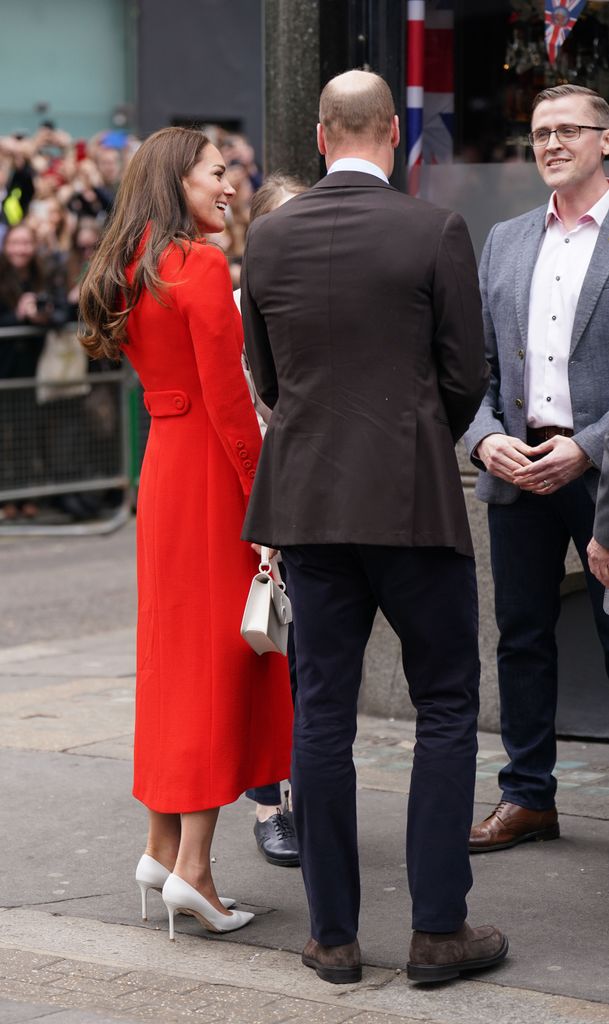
[{"x": 55, "y": 194}]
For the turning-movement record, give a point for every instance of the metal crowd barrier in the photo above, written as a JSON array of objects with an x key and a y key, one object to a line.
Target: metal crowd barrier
[{"x": 68, "y": 445}]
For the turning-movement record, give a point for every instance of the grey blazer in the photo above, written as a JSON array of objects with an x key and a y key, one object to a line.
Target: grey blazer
[
  {"x": 506, "y": 270},
  {"x": 363, "y": 329}
]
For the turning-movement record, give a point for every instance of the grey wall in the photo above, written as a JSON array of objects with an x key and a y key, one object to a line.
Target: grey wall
[
  {"x": 200, "y": 60},
  {"x": 583, "y": 695}
]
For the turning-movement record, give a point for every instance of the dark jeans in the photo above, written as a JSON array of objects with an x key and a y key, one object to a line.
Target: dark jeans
[
  {"x": 529, "y": 541},
  {"x": 429, "y": 597}
]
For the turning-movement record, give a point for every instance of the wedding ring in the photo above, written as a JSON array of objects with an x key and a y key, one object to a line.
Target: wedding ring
[{"x": 546, "y": 483}]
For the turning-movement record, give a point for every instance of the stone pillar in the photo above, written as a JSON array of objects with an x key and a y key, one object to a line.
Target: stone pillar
[
  {"x": 583, "y": 701},
  {"x": 292, "y": 61},
  {"x": 384, "y": 689},
  {"x": 307, "y": 42}
]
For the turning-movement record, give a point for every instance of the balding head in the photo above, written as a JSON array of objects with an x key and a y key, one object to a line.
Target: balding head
[{"x": 356, "y": 105}]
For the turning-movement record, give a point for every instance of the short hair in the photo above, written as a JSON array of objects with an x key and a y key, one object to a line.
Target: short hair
[
  {"x": 598, "y": 105},
  {"x": 270, "y": 194},
  {"x": 361, "y": 106}
]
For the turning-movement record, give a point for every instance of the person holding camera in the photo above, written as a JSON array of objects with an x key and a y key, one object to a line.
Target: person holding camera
[{"x": 29, "y": 297}]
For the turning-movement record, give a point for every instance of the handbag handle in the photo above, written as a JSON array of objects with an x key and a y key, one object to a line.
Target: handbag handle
[{"x": 270, "y": 567}]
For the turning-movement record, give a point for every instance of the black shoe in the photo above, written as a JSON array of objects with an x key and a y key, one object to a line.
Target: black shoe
[{"x": 277, "y": 840}]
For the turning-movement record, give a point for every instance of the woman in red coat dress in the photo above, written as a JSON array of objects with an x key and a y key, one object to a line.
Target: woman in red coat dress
[{"x": 212, "y": 718}]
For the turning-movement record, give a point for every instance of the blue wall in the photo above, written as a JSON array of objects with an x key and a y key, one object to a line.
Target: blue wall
[{"x": 72, "y": 54}]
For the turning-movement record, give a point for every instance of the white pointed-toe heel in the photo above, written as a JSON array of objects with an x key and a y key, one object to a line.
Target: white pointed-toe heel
[
  {"x": 180, "y": 897},
  {"x": 150, "y": 874}
]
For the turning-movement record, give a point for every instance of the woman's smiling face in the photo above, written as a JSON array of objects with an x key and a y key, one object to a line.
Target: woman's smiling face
[{"x": 208, "y": 190}]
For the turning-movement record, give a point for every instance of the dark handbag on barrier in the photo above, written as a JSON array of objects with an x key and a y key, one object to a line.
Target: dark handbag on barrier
[{"x": 268, "y": 611}]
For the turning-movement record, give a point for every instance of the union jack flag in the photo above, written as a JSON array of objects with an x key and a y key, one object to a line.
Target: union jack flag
[
  {"x": 561, "y": 16},
  {"x": 439, "y": 107},
  {"x": 415, "y": 93},
  {"x": 429, "y": 86}
]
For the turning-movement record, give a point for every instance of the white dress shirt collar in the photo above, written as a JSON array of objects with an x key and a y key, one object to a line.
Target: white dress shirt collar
[
  {"x": 354, "y": 163},
  {"x": 597, "y": 213}
]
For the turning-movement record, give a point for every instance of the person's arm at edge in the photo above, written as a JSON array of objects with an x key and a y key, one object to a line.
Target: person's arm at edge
[{"x": 598, "y": 548}]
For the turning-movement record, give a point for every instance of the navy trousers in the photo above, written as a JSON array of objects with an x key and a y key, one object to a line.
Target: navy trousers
[
  {"x": 429, "y": 597},
  {"x": 529, "y": 541}
]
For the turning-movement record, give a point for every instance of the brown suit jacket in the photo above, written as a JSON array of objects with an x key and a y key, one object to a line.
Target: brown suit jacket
[{"x": 364, "y": 334}]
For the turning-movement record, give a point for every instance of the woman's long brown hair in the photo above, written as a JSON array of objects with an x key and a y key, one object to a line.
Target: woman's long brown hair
[{"x": 151, "y": 193}]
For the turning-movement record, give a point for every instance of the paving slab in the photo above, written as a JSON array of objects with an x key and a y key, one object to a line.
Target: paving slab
[
  {"x": 241, "y": 983},
  {"x": 67, "y": 587},
  {"x": 28, "y": 1013},
  {"x": 65, "y": 715},
  {"x": 76, "y": 856}
]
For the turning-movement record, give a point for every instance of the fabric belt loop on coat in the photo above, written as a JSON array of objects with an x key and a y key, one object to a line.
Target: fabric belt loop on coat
[{"x": 166, "y": 403}]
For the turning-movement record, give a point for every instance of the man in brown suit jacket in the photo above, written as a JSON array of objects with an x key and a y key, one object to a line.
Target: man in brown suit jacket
[{"x": 363, "y": 330}]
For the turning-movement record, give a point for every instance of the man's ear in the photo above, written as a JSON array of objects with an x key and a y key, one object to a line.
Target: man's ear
[
  {"x": 321, "y": 140},
  {"x": 605, "y": 143},
  {"x": 395, "y": 131}
]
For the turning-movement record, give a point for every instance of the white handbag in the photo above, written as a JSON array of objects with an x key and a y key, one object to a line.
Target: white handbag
[{"x": 268, "y": 611}]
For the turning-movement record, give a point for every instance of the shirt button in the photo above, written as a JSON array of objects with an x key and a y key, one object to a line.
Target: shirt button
[
  {"x": 567, "y": 240},
  {"x": 558, "y": 277},
  {"x": 551, "y": 359},
  {"x": 240, "y": 445},
  {"x": 519, "y": 403},
  {"x": 178, "y": 402},
  {"x": 243, "y": 454},
  {"x": 521, "y": 353},
  {"x": 553, "y": 318},
  {"x": 548, "y": 399},
  {"x": 248, "y": 463}
]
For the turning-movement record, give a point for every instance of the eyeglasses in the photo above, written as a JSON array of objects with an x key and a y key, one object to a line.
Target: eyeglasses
[{"x": 564, "y": 133}]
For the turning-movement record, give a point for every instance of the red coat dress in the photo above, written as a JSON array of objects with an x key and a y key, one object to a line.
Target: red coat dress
[{"x": 212, "y": 717}]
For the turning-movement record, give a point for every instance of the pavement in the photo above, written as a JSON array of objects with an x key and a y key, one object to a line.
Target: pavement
[{"x": 73, "y": 949}]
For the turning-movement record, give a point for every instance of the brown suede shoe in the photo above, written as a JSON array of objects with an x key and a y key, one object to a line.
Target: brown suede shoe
[
  {"x": 509, "y": 825},
  {"x": 435, "y": 957},
  {"x": 340, "y": 965}
]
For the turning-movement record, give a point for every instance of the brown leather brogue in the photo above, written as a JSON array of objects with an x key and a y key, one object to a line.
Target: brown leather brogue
[
  {"x": 439, "y": 957},
  {"x": 509, "y": 825},
  {"x": 340, "y": 965}
]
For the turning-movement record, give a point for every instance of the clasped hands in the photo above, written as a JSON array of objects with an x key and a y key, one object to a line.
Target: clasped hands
[
  {"x": 557, "y": 462},
  {"x": 561, "y": 460}
]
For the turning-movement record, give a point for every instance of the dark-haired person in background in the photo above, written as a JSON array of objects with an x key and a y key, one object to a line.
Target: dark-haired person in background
[
  {"x": 539, "y": 437},
  {"x": 274, "y": 826}
]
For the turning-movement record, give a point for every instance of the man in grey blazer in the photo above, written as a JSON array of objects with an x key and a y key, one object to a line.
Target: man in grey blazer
[
  {"x": 538, "y": 437},
  {"x": 363, "y": 331}
]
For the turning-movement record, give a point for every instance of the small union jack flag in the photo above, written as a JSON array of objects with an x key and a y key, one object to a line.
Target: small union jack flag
[{"x": 561, "y": 16}]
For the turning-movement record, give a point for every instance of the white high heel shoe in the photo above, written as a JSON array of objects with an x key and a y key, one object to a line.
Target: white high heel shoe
[
  {"x": 149, "y": 874},
  {"x": 180, "y": 897}
]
